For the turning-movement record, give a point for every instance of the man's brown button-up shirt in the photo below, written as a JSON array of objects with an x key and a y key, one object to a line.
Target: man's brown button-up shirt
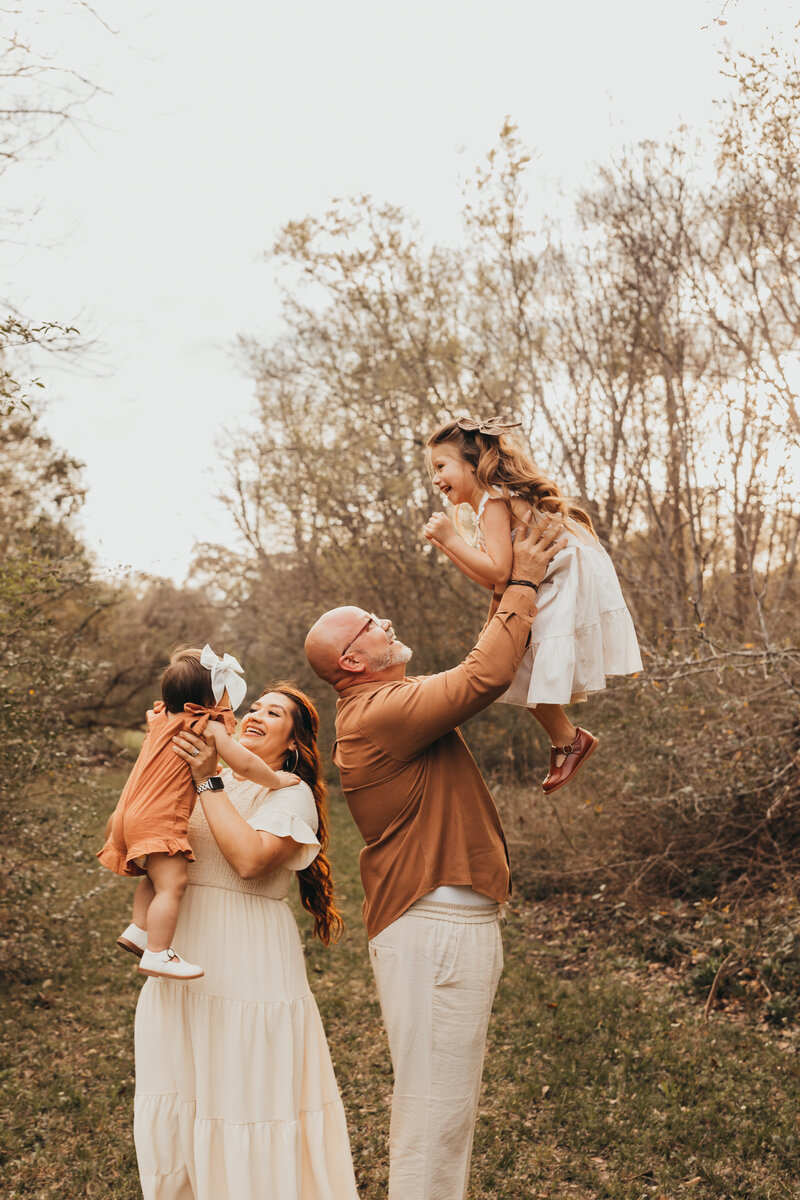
[{"x": 413, "y": 787}]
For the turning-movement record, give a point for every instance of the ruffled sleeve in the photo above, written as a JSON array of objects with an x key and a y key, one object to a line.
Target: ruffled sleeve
[
  {"x": 291, "y": 812},
  {"x": 478, "y": 538}
]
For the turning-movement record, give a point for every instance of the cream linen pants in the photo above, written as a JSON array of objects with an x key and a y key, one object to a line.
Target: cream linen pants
[{"x": 437, "y": 968}]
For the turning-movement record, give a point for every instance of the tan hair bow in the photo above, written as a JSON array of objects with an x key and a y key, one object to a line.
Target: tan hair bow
[{"x": 491, "y": 428}]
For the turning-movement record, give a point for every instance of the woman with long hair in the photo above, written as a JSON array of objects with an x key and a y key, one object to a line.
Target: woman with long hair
[{"x": 236, "y": 1097}]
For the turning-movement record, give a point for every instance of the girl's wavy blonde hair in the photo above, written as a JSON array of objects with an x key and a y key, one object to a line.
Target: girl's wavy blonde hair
[{"x": 504, "y": 467}]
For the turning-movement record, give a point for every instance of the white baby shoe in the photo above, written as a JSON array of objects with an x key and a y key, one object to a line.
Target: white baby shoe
[
  {"x": 134, "y": 939},
  {"x": 165, "y": 964}
]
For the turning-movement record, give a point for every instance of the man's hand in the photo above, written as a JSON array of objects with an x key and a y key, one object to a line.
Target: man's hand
[
  {"x": 200, "y": 755},
  {"x": 439, "y": 529},
  {"x": 535, "y": 547}
]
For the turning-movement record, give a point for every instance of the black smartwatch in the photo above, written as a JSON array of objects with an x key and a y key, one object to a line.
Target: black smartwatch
[{"x": 214, "y": 784}]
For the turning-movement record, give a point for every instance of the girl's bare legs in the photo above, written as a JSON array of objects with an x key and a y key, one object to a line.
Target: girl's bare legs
[
  {"x": 142, "y": 899},
  {"x": 578, "y": 743},
  {"x": 556, "y": 724},
  {"x": 169, "y": 877}
]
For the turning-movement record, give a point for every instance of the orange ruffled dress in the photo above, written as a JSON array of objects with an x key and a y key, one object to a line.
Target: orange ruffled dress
[{"x": 152, "y": 815}]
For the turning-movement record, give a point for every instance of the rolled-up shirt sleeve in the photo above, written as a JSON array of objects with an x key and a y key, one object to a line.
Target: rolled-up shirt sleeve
[{"x": 408, "y": 720}]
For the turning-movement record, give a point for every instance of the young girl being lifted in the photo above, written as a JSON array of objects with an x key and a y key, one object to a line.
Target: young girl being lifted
[{"x": 582, "y": 631}]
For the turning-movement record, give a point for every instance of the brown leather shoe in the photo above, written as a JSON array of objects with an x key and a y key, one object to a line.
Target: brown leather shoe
[{"x": 585, "y": 743}]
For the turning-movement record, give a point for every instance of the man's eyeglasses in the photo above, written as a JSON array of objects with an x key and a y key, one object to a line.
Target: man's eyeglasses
[{"x": 371, "y": 620}]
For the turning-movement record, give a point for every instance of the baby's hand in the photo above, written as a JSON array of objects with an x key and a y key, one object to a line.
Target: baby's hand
[
  {"x": 287, "y": 779},
  {"x": 439, "y": 529}
]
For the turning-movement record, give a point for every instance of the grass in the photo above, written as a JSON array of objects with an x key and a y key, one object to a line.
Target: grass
[
  {"x": 609, "y": 1084},
  {"x": 603, "y": 1081}
]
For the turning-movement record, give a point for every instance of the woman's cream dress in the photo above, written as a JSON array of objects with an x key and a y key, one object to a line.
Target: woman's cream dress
[{"x": 236, "y": 1097}]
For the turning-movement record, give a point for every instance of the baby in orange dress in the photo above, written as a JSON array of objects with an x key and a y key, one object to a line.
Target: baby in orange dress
[{"x": 147, "y": 833}]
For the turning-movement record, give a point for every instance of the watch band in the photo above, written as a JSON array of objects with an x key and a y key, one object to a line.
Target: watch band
[
  {"x": 523, "y": 583},
  {"x": 212, "y": 784}
]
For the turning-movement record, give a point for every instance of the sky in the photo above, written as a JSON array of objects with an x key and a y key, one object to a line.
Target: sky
[{"x": 218, "y": 123}]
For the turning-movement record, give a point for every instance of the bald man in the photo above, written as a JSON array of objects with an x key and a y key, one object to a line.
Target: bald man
[{"x": 434, "y": 865}]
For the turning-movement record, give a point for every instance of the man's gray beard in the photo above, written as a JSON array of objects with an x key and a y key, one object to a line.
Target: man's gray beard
[{"x": 396, "y": 653}]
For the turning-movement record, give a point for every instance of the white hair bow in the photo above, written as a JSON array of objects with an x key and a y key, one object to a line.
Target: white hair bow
[{"x": 226, "y": 676}]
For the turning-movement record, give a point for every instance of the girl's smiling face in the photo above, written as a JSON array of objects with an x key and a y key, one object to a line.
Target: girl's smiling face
[
  {"x": 268, "y": 728},
  {"x": 453, "y": 475}
]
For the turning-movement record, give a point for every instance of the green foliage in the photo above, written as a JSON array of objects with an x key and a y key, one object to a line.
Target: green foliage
[
  {"x": 76, "y": 656},
  {"x": 14, "y": 334},
  {"x": 46, "y": 593},
  {"x": 128, "y": 644}
]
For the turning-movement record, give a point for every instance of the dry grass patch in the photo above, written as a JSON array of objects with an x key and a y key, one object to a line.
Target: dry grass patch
[{"x": 602, "y": 1081}]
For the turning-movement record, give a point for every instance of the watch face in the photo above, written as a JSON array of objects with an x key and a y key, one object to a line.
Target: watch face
[{"x": 215, "y": 784}]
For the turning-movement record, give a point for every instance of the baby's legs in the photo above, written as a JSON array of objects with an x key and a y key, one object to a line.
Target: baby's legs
[
  {"x": 169, "y": 876},
  {"x": 142, "y": 899}
]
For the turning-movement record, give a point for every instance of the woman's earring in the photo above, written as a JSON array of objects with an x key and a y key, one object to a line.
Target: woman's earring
[{"x": 293, "y": 767}]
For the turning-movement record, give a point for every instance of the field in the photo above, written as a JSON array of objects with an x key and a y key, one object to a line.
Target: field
[{"x": 605, "y": 1079}]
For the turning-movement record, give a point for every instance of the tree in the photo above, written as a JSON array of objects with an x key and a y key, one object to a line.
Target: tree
[
  {"x": 39, "y": 99},
  {"x": 645, "y": 388}
]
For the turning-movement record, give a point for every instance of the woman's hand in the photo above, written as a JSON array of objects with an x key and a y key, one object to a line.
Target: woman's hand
[
  {"x": 439, "y": 529},
  {"x": 198, "y": 753},
  {"x": 535, "y": 547}
]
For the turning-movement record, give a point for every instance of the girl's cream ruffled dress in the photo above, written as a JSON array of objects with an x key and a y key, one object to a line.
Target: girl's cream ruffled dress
[
  {"x": 582, "y": 632},
  {"x": 236, "y": 1097}
]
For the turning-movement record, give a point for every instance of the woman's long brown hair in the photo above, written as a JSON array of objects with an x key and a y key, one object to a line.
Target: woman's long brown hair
[
  {"x": 316, "y": 881},
  {"x": 504, "y": 467}
]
